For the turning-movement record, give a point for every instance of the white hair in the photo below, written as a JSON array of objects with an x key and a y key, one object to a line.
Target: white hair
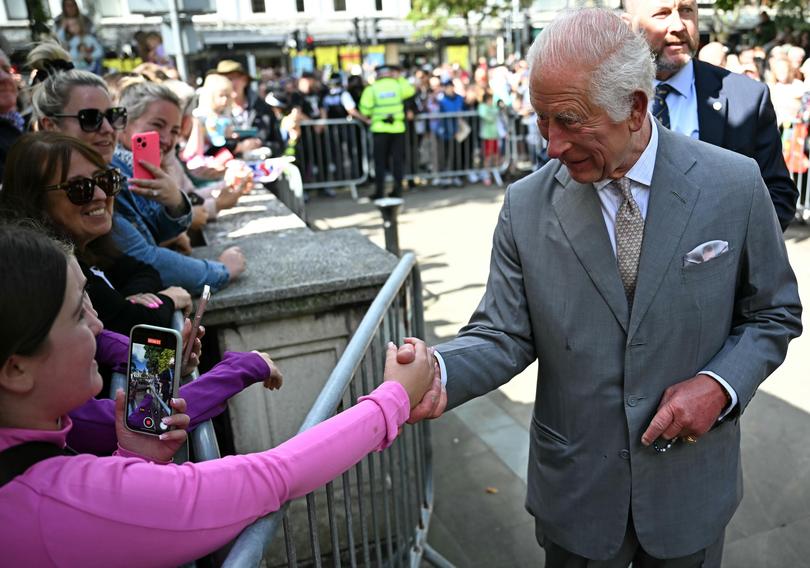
[{"x": 598, "y": 41}]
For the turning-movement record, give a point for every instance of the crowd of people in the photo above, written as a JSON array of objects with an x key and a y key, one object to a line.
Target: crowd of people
[{"x": 98, "y": 239}]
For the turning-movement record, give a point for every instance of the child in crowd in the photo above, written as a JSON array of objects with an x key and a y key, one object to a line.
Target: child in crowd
[{"x": 488, "y": 132}]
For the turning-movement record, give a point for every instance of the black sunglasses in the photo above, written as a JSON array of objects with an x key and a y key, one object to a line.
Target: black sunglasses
[
  {"x": 91, "y": 119},
  {"x": 80, "y": 190}
]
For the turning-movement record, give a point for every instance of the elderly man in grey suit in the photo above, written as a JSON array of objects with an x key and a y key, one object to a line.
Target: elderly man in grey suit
[{"x": 647, "y": 274}]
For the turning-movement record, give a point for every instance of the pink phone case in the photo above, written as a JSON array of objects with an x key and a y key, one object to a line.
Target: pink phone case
[{"x": 146, "y": 147}]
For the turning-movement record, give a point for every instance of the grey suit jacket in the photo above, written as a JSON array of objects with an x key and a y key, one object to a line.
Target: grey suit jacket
[{"x": 554, "y": 294}]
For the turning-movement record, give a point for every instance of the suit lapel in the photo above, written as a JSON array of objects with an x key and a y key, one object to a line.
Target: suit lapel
[
  {"x": 672, "y": 199},
  {"x": 712, "y": 105},
  {"x": 580, "y": 216}
]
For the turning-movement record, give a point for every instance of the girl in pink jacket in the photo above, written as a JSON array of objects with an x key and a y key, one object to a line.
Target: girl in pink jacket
[{"x": 129, "y": 509}]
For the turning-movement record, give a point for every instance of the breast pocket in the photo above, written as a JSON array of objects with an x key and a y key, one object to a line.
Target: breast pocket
[{"x": 715, "y": 268}]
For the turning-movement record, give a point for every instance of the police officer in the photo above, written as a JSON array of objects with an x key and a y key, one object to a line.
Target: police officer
[{"x": 383, "y": 102}]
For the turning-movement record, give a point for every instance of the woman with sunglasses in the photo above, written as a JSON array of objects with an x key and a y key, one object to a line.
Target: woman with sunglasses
[
  {"x": 154, "y": 107},
  {"x": 52, "y": 508},
  {"x": 78, "y": 103},
  {"x": 59, "y": 181}
]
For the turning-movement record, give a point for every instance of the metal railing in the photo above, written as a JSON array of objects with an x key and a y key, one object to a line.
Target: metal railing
[
  {"x": 332, "y": 153},
  {"x": 443, "y": 146},
  {"x": 795, "y": 149},
  {"x": 378, "y": 512}
]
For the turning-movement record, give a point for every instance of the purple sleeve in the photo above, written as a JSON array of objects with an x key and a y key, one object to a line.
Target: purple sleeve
[
  {"x": 112, "y": 351},
  {"x": 206, "y": 397},
  {"x": 94, "y": 422},
  {"x": 87, "y": 508}
]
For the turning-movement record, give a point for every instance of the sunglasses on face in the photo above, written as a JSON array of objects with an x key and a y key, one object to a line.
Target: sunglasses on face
[
  {"x": 80, "y": 191},
  {"x": 91, "y": 119}
]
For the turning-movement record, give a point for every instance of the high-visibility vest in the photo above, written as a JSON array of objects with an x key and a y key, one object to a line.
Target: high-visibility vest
[{"x": 383, "y": 103}]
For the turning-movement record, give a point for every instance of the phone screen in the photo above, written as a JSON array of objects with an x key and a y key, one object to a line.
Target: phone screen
[{"x": 151, "y": 378}]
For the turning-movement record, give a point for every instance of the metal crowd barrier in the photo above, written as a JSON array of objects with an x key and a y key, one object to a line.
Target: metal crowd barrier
[
  {"x": 443, "y": 146},
  {"x": 332, "y": 153},
  {"x": 795, "y": 147},
  {"x": 529, "y": 148},
  {"x": 378, "y": 512}
]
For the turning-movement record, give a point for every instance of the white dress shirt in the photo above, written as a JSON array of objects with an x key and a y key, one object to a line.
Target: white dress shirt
[
  {"x": 682, "y": 102},
  {"x": 640, "y": 176}
]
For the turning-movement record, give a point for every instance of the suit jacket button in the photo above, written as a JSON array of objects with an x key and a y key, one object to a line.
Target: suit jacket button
[
  {"x": 631, "y": 400},
  {"x": 624, "y": 454}
]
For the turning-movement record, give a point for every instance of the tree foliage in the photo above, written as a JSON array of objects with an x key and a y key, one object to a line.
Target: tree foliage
[
  {"x": 788, "y": 10},
  {"x": 431, "y": 16}
]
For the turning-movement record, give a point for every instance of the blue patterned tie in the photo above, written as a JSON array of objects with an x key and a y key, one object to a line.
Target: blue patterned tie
[{"x": 660, "y": 109}]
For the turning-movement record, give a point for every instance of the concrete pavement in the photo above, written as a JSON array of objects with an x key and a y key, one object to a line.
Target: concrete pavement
[{"x": 481, "y": 448}]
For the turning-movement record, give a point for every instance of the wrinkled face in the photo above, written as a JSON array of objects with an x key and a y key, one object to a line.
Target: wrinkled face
[
  {"x": 85, "y": 97},
  {"x": 164, "y": 118},
  {"x": 8, "y": 86},
  {"x": 580, "y": 134},
  {"x": 671, "y": 30},
  {"x": 84, "y": 223},
  {"x": 65, "y": 369}
]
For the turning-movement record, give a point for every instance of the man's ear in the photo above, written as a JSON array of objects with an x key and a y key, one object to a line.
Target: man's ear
[
  {"x": 16, "y": 375},
  {"x": 638, "y": 111}
]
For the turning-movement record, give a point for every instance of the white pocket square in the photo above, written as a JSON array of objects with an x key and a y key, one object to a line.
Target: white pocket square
[{"x": 705, "y": 252}]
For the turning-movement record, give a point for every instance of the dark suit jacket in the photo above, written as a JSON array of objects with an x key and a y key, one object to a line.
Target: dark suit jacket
[
  {"x": 736, "y": 113},
  {"x": 554, "y": 294}
]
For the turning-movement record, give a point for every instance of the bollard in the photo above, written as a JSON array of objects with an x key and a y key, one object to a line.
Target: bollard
[{"x": 389, "y": 207}]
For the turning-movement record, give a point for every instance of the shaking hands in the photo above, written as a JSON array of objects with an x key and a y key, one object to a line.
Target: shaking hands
[{"x": 414, "y": 366}]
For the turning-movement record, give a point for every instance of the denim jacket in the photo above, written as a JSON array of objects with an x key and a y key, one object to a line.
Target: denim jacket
[{"x": 141, "y": 224}]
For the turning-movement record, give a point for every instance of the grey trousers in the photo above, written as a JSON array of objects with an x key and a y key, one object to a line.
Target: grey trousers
[{"x": 630, "y": 552}]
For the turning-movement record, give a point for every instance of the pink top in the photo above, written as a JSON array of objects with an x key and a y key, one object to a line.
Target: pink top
[{"x": 124, "y": 511}]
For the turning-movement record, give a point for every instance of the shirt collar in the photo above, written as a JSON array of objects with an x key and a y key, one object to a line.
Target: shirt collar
[
  {"x": 642, "y": 170},
  {"x": 681, "y": 81},
  {"x": 13, "y": 436}
]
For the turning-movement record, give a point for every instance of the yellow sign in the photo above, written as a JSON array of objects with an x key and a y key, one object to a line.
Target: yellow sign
[
  {"x": 459, "y": 54},
  {"x": 327, "y": 56}
]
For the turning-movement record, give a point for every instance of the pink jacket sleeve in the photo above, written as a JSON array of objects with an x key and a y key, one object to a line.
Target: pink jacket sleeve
[{"x": 89, "y": 511}]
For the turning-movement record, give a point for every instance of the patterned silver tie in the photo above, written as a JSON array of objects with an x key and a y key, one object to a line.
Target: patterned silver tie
[{"x": 629, "y": 233}]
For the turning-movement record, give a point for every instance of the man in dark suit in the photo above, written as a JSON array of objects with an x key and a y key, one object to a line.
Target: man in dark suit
[
  {"x": 646, "y": 273},
  {"x": 708, "y": 102}
]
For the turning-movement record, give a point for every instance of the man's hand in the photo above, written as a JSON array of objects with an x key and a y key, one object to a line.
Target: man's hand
[
  {"x": 688, "y": 408},
  {"x": 412, "y": 368},
  {"x": 159, "y": 449},
  {"x": 434, "y": 401}
]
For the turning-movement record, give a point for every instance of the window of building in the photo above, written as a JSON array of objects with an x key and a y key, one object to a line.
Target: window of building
[
  {"x": 110, "y": 8},
  {"x": 16, "y": 10},
  {"x": 378, "y": 5},
  {"x": 340, "y": 5},
  {"x": 299, "y": 5},
  {"x": 257, "y": 6}
]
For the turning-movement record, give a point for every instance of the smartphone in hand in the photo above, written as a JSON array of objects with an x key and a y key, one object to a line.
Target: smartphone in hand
[
  {"x": 195, "y": 323},
  {"x": 153, "y": 374},
  {"x": 145, "y": 147}
]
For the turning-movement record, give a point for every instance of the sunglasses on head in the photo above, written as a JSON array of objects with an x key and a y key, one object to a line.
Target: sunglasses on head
[
  {"x": 91, "y": 119},
  {"x": 80, "y": 191}
]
